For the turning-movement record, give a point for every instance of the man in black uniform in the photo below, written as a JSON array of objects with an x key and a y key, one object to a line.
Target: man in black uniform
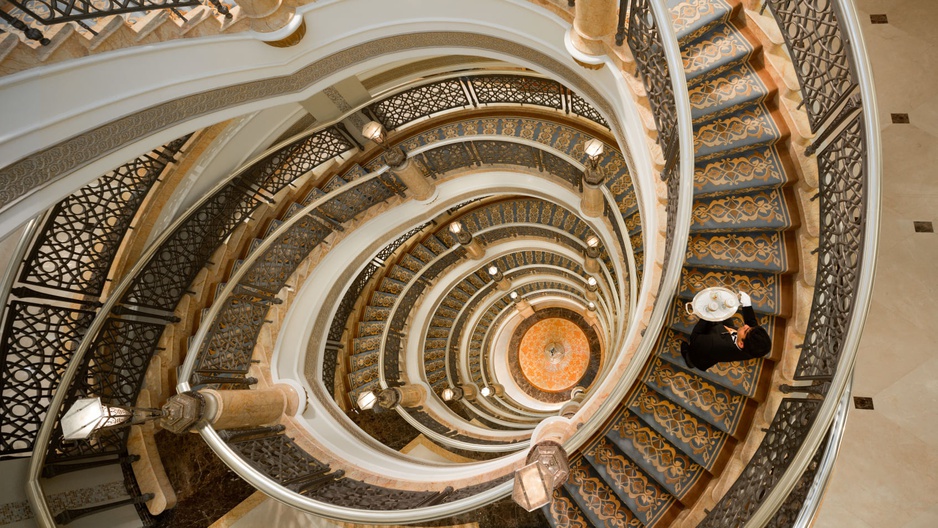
[{"x": 717, "y": 342}]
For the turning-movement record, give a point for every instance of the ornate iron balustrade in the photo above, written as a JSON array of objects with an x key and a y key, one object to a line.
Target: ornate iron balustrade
[
  {"x": 825, "y": 45},
  {"x": 68, "y": 263},
  {"x": 645, "y": 41},
  {"x": 52, "y": 12},
  {"x": 473, "y": 91}
]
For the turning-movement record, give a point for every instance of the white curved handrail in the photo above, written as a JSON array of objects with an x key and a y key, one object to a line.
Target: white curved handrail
[{"x": 864, "y": 291}]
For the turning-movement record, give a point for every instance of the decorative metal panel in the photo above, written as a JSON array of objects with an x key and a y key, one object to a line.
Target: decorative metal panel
[
  {"x": 286, "y": 164},
  {"x": 82, "y": 233},
  {"x": 230, "y": 343},
  {"x": 50, "y": 12},
  {"x": 517, "y": 89},
  {"x": 38, "y": 343},
  {"x": 279, "y": 458},
  {"x": 579, "y": 106},
  {"x": 781, "y": 443},
  {"x": 419, "y": 102},
  {"x": 647, "y": 48},
  {"x": 842, "y": 180},
  {"x": 166, "y": 277},
  {"x": 820, "y": 53},
  {"x": 112, "y": 368}
]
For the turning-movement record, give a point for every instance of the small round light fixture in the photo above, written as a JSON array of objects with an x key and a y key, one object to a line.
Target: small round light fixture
[
  {"x": 591, "y": 281},
  {"x": 591, "y": 306},
  {"x": 592, "y": 241},
  {"x": 486, "y": 391},
  {"x": 493, "y": 270},
  {"x": 455, "y": 228},
  {"x": 513, "y": 295}
]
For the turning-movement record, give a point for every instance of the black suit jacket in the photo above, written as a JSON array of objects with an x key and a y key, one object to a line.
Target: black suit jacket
[{"x": 711, "y": 343}]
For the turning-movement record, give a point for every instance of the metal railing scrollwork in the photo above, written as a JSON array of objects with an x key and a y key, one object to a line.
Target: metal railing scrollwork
[{"x": 824, "y": 40}]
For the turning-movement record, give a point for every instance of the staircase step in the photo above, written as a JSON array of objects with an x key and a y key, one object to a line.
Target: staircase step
[
  {"x": 401, "y": 274},
  {"x": 715, "y": 404},
  {"x": 412, "y": 263},
  {"x": 423, "y": 253},
  {"x": 441, "y": 321},
  {"x": 438, "y": 331},
  {"x": 596, "y": 500},
  {"x": 435, "y": 245},
  {"x": 389, "y": 285},
  {"x": 355, "y": 172},
  {"x": 723, "y": 94},
  {"x": 436, "y": 377},
  {"x": 370, "y": 386},
  {"x": 692, "y": 18},
  {"x": 760, "y": 210},
  {"x": 371, "y": 328},
  {"x": 363, "y": 360},
  {"x": 431, "y": 354},
  {"x": 761, "y": 167},
  {"x": 713, "y": 53},
  {"x": 376, "y": 313},
  {"x": 746, "y": 251},
  {"x": 563, "y": 512},
  {"x": 644, "y": 498},
  {"x": 434, "y": 366},
  {"x": 365, "y": 344},
  {"x": 380, "y": 298},
  {"x": 669, "y": 467},
  {"x": 362, "y": 377},
  {"x": 696, "y": 438},
  {"x": 741, "y": 377},
  {"x": 745, "y": 129},
  {"x": 633, "y": 223},
  {"x": 764, "y": 289},
  {"x": 435, "y": 343}
]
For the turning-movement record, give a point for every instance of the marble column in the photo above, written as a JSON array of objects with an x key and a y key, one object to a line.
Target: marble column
[
  {"x": 420, "y": 186},
  {"x": 593, "y": 20}
]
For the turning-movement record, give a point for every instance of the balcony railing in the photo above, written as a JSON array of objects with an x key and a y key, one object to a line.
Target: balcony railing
[{"x": 825, "y": 44}]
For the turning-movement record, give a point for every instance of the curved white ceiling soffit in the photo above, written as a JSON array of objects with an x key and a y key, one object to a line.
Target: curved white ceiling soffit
[{"x": 98, "y": 112}]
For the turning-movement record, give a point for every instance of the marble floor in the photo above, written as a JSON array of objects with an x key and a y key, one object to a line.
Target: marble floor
[{"x": 885, "y": 475}]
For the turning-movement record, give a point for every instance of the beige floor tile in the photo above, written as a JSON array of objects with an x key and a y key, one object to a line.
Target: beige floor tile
[
  {"x": 881, "y": 475},
  {"x": 911, "y": 398}
]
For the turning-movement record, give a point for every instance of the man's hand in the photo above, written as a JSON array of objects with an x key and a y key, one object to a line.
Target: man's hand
[{"x": 744, "y": 299}]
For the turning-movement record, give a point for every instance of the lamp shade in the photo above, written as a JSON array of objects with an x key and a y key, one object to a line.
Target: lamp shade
[
  {"x": 367, "y": 400},
  {"x": 533, "y": 486},
  {"x": 593, "y": 148},
  {"x": 374, "y": 131},
  {"x": 88, "y": 415}
]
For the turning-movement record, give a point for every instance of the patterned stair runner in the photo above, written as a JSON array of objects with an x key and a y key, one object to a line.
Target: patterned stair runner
[{"x": 678, "y": 427}]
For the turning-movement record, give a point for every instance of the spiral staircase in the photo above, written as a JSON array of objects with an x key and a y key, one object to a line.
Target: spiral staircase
[{"x": 252, "y": 286}]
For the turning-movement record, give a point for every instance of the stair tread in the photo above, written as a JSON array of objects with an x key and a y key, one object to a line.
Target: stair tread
[
  {"x": 734, "y": 89},
  {"x": 669, "y": 467},
  {"x": 744, "y": 251},
  {"x": 691, "y": 18},
  {"x": 698, "y": 439},
  {"x": 644, "y": 497},
  {"x": 596, "y": 500},
  {"x": 563, "y": 512},
  {"x": 713, "y": 403},
  {"x": 761, "y": 209},
  {"x": 765, "y": 289},
  {"x": 714, "y": 52},
  {"x": 745, "y": 129},
  {"x": 760, "y": 167}
]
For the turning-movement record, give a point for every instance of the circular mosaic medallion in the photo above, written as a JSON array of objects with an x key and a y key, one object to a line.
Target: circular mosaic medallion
[{"x": 552, "y": 352}]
